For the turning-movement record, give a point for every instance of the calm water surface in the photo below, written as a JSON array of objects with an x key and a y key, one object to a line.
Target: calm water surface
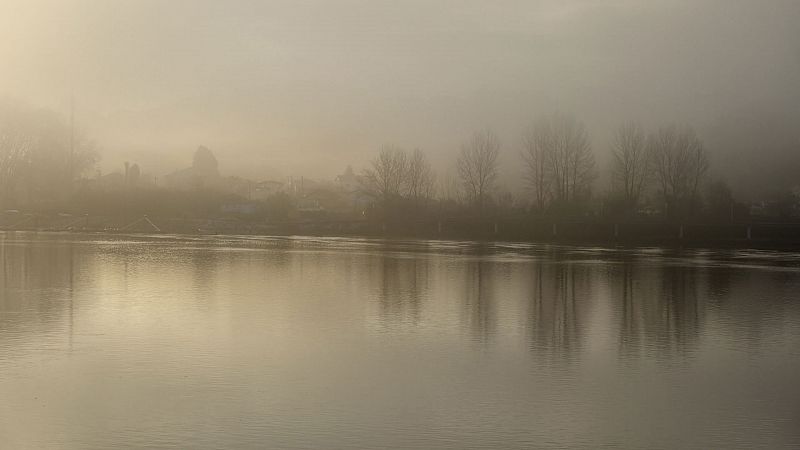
[{"x": 289, "y": 343}]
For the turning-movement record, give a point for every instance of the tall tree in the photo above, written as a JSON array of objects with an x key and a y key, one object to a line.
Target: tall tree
[
  {"x": 537, "y": 147},
  {"x": 572, "y": 161},
  {"x": 679, "y": 162},
  {"x": 477, "y": 166},
  {"x": 17, "y": 142},
  {"x": 58, "y": 147},
  {"x": 420, "y": 178},
  {"x": 631, "y": 166},
  {"x": 41, "y": 153},
  {"x": 385, "y": 179},
  {"x": 559, "y": 160}
]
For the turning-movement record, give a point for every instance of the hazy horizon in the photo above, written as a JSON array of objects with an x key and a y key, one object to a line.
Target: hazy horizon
[
  {"x": 307, "y": 88},
  {"x": 570, "y": 224}
]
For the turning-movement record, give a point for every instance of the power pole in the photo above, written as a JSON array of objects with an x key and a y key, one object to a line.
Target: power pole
[{"x": 71, "y": 141}]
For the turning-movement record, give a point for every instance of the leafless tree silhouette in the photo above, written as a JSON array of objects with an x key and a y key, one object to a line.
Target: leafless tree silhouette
[
  {"x": 559, "y": 160},
  {"x": 16, "y": 144},
  {"x": 572, "y": 161},
  {"x": 40, "y": 154},
  {"x": 537, "y": 146},
  {"x": 420, "y": 178},
  {"x": 385, "y": 179},
  {"x": 631, "y": 164},
  {"x": 477, "y": 166},
  {"x": 679, "y": 163}
]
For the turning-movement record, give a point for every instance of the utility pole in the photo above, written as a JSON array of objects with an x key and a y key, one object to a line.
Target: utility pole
[{"x": 71, "y": 140}]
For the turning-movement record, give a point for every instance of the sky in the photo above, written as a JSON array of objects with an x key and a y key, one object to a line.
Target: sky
[{"x": 279, "y": 88}]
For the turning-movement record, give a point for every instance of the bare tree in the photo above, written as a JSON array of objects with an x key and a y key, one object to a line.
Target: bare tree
[
  {"x": 40, "y": 153},
  {"x": 420, "y": 178},
  {"x": 17, "y": 142},
  {"x": 663, "y": 157},
  {"x": 679, "y": 164},
  {"x": 559, "y": 160},
  {"x": 58, "y": 147},
  {"x": 477, "y": 166},
  {"x": 385, "y": 179},
  {"x": 631, "y": 167},
  {"x": 572, "y": 161},
  {"x": 537, "y": 146},
  {"x": 699, "y": 164}
]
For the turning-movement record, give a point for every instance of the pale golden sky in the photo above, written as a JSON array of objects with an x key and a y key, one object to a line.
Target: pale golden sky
[{"x": 291, "y": 87}]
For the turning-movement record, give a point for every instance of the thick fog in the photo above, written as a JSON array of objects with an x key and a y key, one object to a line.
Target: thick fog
[{"x": 279, "y": 88}]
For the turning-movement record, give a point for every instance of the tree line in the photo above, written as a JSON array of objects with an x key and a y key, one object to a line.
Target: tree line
[
  {"x": 41, "y": 155},
  {"x": 664, "y": 169}
]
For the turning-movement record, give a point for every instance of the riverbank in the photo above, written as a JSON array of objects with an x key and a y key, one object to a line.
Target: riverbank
[{"x": 738, "y": 235}]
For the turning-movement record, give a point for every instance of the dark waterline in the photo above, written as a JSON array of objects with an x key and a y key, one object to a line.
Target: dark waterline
[{"x": 240, "y": 342}]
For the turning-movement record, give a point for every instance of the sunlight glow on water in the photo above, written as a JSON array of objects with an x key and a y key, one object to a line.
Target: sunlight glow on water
[{"x": 242, "y": 342}]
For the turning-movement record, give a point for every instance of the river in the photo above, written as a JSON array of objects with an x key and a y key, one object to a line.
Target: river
[{"x": 240, "y": 342}]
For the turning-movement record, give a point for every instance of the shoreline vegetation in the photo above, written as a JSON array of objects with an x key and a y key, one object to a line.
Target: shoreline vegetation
[
  {"x": 768, "y": 235},
  {"x": 658, "y": 189}
]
